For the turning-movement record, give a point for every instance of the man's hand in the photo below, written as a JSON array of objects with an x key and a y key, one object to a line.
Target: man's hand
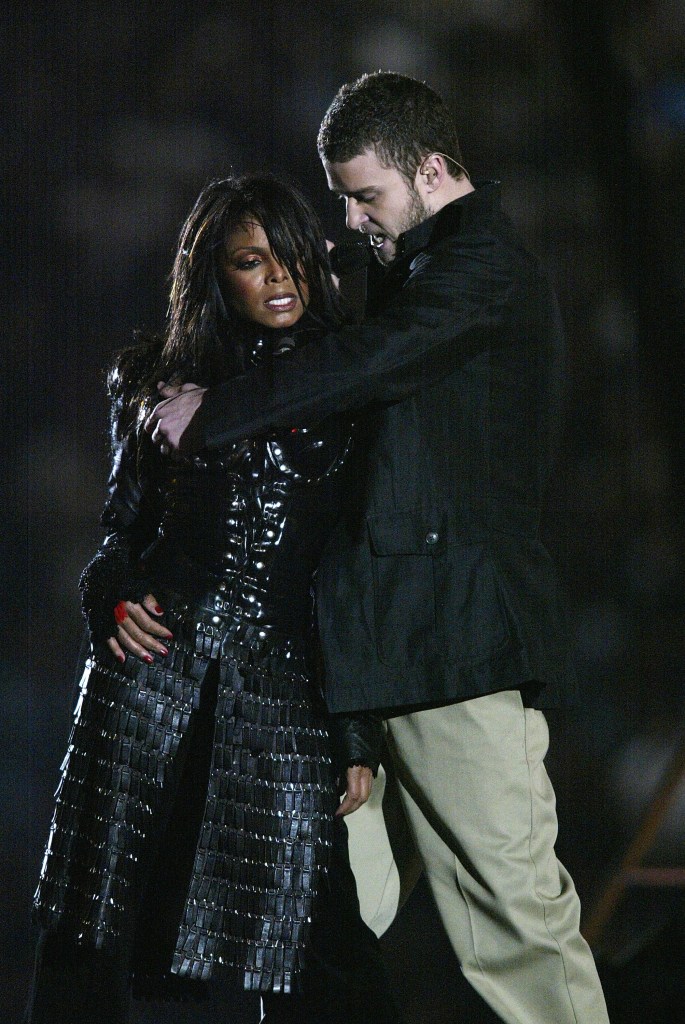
[
  {"x": 358, "y": 790},
  {"x": 171, "y": 421}
]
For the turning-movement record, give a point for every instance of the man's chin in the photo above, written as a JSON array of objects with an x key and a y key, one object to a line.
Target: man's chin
[{"x": 384, "y": 250}]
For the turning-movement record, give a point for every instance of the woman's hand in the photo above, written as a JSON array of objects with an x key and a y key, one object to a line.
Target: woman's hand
[
  {"x": 137, "y": 631},
  {"x": 358, "y": 790}
]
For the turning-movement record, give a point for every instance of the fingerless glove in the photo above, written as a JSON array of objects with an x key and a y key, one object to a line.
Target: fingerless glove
[{"x": 111, "y": 576}]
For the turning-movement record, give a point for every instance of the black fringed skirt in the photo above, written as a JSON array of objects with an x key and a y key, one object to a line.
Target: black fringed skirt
[{"x": 194, "y": 816}]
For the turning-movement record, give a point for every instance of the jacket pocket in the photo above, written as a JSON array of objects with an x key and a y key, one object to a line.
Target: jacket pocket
[
  {"x": 435, "y": 593},
  {"x": 403, "y": 585}
]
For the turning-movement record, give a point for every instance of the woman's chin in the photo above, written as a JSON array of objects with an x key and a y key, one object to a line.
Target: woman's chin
[{"x": 281, "y": 320}]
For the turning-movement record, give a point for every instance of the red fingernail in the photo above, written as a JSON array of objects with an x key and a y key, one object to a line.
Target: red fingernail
[
  {"x": 122, "y": 658},
  {"x": 160, "y": 611},
  {"x": 148, "y": 658},
  {"x": 170, "y": 636},
  {"x": 120, "y": 612},
  {"x": 163, "y": 651}
]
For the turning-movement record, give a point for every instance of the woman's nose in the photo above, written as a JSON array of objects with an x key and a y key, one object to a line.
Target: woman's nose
[{"x": 278, "y": 273}]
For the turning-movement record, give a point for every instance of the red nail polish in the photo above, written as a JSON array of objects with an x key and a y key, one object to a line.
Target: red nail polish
[
  {"x": 122, "y": 658},
  {"x": 164, "y": 651},
  {"x": 170, "y": 636},
  {"x": 148, "y": 658},
  {"x": 160, "y": 611}
]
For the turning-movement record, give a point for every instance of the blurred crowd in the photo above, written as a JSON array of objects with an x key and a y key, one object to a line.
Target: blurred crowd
[{"x": 115, "y": 116}]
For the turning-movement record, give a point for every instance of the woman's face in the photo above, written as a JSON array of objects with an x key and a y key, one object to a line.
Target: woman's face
[{"x": 256, "y": 286}]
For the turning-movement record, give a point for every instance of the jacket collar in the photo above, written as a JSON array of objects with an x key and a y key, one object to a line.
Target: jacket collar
[{"x": 479, "y": 206}]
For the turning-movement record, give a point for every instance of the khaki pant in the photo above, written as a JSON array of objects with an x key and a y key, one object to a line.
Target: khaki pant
[{"x": 471, "y": 796}]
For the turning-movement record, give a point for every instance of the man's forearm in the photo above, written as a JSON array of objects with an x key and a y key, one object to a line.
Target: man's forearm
[{"x": 426, "y": 334}]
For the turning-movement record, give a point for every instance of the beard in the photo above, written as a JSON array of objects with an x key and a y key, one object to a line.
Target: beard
[{"x": 414, "y": 213}]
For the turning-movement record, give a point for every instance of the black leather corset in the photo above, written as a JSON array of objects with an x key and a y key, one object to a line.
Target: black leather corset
[{"x": 244, "y": 527}]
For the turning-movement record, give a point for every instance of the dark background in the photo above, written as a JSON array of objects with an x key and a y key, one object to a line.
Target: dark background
[{"x": 115, "y": 114}]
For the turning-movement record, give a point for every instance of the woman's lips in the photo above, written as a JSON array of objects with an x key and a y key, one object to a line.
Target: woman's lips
[{"x": 282, "y": 303}]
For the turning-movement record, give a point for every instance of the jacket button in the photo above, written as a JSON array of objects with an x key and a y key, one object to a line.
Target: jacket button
[{"x": 432, "y": 538}]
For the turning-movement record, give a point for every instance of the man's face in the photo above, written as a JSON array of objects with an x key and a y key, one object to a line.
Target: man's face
[{"x": 379, "y": 201}]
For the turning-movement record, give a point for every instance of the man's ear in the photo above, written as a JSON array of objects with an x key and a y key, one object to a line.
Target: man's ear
[{"x": 431, "y": 173}]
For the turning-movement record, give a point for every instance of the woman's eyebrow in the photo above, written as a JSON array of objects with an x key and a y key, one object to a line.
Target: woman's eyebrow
[{"x": 258, "y": 249}]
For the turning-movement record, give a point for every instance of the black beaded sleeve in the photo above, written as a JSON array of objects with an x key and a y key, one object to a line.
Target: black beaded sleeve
[
  {"x": 113, "y": 575},
  {"x": 131, "y": 518}
]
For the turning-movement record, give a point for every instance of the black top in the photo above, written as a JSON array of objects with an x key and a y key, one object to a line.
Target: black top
[
  {"x": 244, "y": 527},
  {"x": 435, "y": 587},
  {"x": 236, "y": 531}
]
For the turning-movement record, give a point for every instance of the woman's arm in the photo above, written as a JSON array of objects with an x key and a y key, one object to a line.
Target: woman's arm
[
  {"x": 117, "y": 596},
  {"x": 118, "y": 602}
]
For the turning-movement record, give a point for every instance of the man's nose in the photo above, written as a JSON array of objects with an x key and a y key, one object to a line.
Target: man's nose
[{"x": 355, "y": 216}]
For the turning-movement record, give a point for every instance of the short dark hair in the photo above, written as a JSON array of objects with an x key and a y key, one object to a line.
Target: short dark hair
[{"x": 400, "y": 118}]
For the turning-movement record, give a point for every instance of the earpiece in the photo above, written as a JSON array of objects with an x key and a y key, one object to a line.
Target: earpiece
[{"x": 451, "y": 159}]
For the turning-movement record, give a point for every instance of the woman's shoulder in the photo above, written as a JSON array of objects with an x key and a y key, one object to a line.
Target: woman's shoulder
[
  {"x": 130, "y": 371},
  {"x": 132, "y": 365}
]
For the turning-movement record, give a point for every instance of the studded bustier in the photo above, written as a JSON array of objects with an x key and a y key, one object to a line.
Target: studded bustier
[
  {"x": 243, "y": 528},
  {"x": 229, "y": 536}
]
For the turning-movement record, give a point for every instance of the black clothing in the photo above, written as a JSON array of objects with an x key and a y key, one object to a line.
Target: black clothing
[
  {"x": 73, "y": 984},
  {"x": 231, "y": 539},
  {"x": 434, "y": 587},
  {"x": 344, "y": 982}
]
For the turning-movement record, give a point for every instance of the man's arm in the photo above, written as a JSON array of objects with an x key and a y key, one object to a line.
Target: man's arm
[{"x": 442, "y": 316}]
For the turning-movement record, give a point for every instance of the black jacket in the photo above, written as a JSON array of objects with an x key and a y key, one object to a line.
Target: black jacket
[{"x": 435, "y": 587}]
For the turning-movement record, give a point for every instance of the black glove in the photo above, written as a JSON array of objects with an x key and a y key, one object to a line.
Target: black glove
[
  {"x": 110, "y": 577},
  {"x": 357, "y": 740}
]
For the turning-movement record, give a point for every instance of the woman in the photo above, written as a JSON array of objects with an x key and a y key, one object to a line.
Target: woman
[{"x": 195, "y": 819}]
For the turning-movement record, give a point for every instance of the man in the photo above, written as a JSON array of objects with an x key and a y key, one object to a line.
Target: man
[{"x": 437, "y": 603}]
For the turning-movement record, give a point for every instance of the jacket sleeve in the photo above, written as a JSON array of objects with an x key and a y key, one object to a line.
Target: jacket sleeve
[
  {"x": 444, "y": 313},
  {"x": 357, "y": 739},
  {"x": 131, "y": 518}
]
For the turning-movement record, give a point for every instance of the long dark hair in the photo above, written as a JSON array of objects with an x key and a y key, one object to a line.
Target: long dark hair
[{"x": 204, "y": 340}]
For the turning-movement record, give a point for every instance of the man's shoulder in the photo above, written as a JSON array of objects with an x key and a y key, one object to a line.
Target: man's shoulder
[
  {"x": 480, "y": 244},
  {"x": 486, "y": 233}
]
